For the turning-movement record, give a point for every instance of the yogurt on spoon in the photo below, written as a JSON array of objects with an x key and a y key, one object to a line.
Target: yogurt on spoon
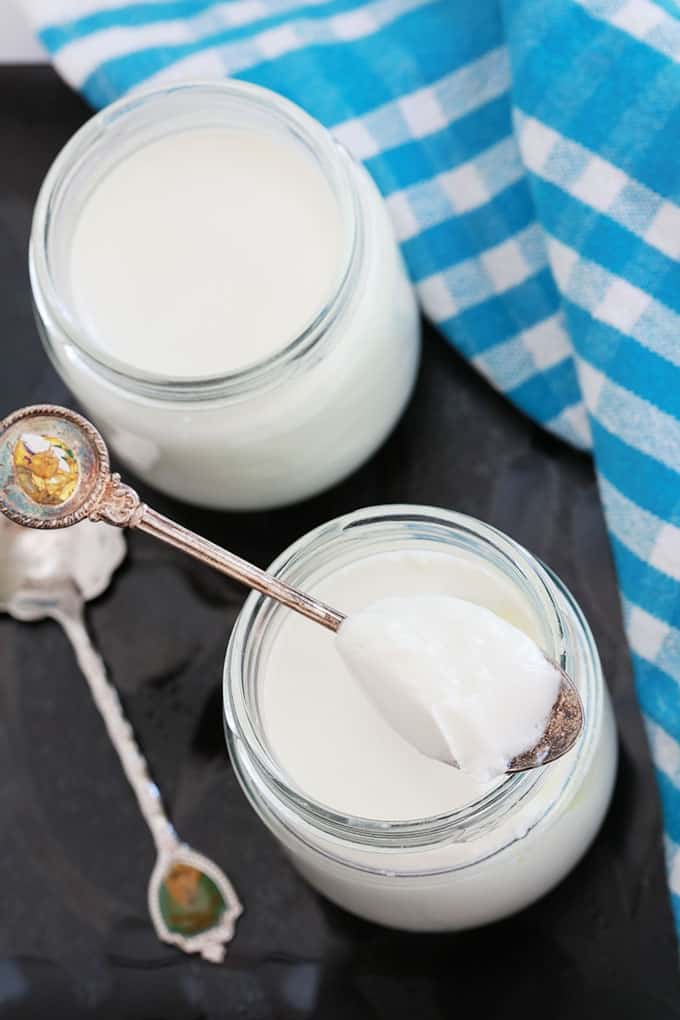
[{"x": 456, "y": 681}]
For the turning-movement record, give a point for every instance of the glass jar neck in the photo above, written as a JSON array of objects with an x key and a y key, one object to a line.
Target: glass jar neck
[
  {"x": 133, "y": 122},
  {"x": 326, "y": 550}
]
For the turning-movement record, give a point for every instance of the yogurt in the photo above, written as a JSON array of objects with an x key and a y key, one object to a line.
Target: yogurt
[
  {"x": 311, "y": 699},
  {"x": 459, "y": 683},
  {"x": 220, "y": 287},
  {"x": 374, "y": 824},
  {"x": 220, "y": 248}
]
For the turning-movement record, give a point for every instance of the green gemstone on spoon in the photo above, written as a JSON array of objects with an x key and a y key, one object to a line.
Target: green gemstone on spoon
[{"x": 189, "y": 901}]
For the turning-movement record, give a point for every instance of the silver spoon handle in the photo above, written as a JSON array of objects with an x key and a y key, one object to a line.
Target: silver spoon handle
[
  {"x": 228, "y": 563},
  {"x": 120, "y": 505},
  {"x": 107, "y": 701}
]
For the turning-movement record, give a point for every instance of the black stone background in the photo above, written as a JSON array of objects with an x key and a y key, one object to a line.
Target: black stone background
[{"x": 75, "y": 857}]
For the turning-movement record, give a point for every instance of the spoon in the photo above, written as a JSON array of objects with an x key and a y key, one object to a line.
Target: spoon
[
  {"x": 51, "y": 575},
  {"x": 54, "y": 472}
]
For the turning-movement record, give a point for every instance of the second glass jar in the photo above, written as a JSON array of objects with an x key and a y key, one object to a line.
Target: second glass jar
[
  {"x": 469, "y": 866},
  {"x": 280, "y": 430}
]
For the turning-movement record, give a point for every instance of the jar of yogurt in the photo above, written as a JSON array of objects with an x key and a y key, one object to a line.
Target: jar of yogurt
[
  {"x": 378, "y": 828},
  {"x": 219, "y": 286}
]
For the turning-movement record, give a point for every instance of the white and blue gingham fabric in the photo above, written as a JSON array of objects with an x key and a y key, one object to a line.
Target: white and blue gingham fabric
[{"x": 528, "y": 153}]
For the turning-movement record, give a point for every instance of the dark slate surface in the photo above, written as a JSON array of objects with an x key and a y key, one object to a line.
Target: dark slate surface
[{"x": 75, "y": 857}]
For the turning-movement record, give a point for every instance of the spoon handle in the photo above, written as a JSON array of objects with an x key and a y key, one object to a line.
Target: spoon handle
[
  {"x": 228, "y": 563},
  {"x": 206, "y": 934},
  {"x": 120, "y": 505},
  {"x": 107, "y": 701}
]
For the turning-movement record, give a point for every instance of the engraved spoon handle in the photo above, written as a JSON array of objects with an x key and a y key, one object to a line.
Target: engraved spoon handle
[
  {"x": 107, "y": 701},
  {"x": 208, "y": 938},
  {"x": 156, "y": 524}
]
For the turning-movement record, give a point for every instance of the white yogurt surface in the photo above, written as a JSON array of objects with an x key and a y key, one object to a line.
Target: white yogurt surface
[
  {"x": 205, "y": 251},
  {"x": 456, "y": 681},
  {"x": 323, "y": 728}
]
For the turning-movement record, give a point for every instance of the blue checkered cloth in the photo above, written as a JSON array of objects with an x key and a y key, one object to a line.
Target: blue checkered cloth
[{"x": 527, "y": 153}]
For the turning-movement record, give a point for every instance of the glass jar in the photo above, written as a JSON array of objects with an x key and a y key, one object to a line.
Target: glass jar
[
  {"x": 279, "y": 430},
  {"x": 473, "y": 865}
]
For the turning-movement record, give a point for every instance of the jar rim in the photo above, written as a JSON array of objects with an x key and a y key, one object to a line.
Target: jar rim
[
  {"x": 462, "y": 823},
  {"x": 331, "y": 159}
]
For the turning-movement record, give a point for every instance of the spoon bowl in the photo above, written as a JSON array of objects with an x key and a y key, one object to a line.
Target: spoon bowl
[{"x": 563, "y": 729}]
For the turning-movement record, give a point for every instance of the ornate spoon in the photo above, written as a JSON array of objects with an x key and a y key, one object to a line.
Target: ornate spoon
[
  {"x": 54, "y": 472},
  {"x": 51, "y": 575}
]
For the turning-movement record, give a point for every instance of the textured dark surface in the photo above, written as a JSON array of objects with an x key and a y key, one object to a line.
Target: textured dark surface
[{"x": 75, "y": 857}]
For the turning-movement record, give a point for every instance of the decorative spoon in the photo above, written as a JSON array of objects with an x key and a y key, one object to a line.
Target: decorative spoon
[
  {"x": 51, "y": 575},
  {"x": 54, "y": 472}
]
